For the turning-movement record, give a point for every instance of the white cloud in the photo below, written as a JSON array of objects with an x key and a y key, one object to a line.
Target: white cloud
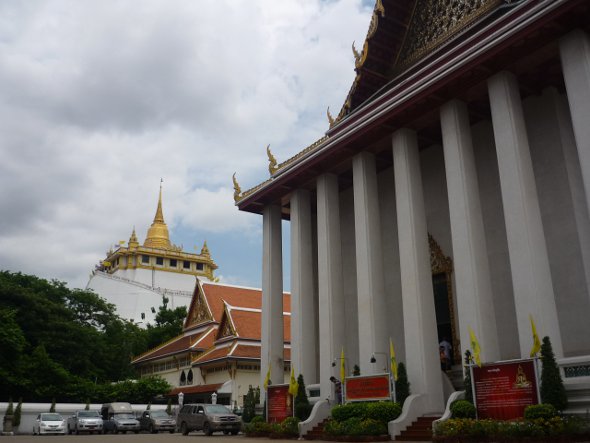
[{"x": 99, "y": 100}]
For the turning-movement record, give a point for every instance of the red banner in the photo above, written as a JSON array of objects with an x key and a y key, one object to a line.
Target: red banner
[
  {"x": 279, "y": 403},
  {"x": 365, "y": 388},
  {"x": 502, "y": 391}
]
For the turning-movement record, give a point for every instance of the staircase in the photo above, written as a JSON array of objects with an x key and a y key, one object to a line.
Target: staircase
[
  {"x": 420, "y": 430},
  {"x": 316, "y": 433}
]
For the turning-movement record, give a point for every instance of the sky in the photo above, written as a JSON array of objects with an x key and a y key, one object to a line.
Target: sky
[{"x": 100, "y": 100}]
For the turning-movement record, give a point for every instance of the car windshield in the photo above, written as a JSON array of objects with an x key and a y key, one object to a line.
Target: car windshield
[
  {"x": 159, "y": 414},
  {"x": 216, "y": 409},
  {"x": 51, "y": 417},
  {"x": 124, "y": 415},
  {"x": 88, "y": 414}
]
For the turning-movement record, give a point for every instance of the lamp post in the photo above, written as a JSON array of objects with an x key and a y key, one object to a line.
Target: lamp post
[
  {"x": 180, "y": 399},
  {"x": 214, "y": 398}
]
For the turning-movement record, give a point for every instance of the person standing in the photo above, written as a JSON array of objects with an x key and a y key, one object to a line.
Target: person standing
[{"x": 446, "y": 353}]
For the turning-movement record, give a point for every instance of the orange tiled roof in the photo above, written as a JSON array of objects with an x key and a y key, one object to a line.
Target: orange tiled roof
[
  {"x": 180, "y": 344},
  {"x": 248, "y": 324},
  {"x": 253, "y": 352},
  {"x": 214, "y": 354},
  {"x": 236, "y": 296},
  {"x": 195, "y": 389}
]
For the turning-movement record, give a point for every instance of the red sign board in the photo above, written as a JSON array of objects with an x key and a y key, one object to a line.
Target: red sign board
[
  {"x": 502, "y": 391},
  {"x": 366, "y": 388},
  {"x": 279, "y": 403}
]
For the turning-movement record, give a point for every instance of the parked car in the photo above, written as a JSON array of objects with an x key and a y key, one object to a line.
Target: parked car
[
  {"x": 156, "y": 421},
  {"x": 118, "y": 417},
  {"x": 208, "y": 418},
  {"x": 49, "y": 423},
  {"x": 85, "y": 421}
]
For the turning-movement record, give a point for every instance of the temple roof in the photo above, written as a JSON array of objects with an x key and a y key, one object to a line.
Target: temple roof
[{"x": 417, "y": 55}]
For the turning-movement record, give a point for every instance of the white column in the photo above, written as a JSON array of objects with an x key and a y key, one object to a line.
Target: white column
[
  {"x": 575, "y": 60},
  {"x": 331, "y": 296},
  {"x": 303, "y": 311},
  {"x": 421, "y": 339},
  {"x": 472, "y": 276},
  {"x": 529, "y": 263},
  {"x": 372, "y": 309},
  {"x": 272, "y": 296}
]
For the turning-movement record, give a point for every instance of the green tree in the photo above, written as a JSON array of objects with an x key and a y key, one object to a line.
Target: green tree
[
  {"x": 402, "y": 385},
  {"x": 52, "y": 407},
  {"x": 302, "y": 406},
  {"x": 552, "y": 389},
  {"x": 169, "y": 407},
  {"x": 168, "y": 324}
]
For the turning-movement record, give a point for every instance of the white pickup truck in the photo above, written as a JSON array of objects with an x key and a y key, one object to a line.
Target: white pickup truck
[{"x": 85, "y": 421}]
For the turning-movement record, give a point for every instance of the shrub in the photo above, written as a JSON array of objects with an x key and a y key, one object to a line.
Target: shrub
[
  {"x": 402, "y": 385},
  {"x": 462, "y": 409},
  {"x": 257, "y": 419},
  {"x": 259, "y": 427},
  {"x": 342, "y": 413},
  {"x": 552, "y": 389},
  {"x": 9, "y": 410},
  {"x": 333, "y": 427},
  {"x": 542, "y": 410},
  {"x": 289, "y": 426},
  {"x": 384, "y": 411},
  {"x": 250, "y": 405}
]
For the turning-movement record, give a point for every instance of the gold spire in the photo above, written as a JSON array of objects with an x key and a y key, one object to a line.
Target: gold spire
[
  {"x": 272, "y": 161},
  {"x": 157, "y": 236},
  {"x": 205, "y": 250},
  {"x": 237, "y": 189},
  {"x": 133, "y": 243}
]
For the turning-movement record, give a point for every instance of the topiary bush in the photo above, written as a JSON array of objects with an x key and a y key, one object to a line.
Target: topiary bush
[
  {"x": 462, "y": 409},
  {"x": 543, "y": 410},
  {"x": 402, "y": 385},
  {"x": 257, "y": 419},
  {"x": 17, "y": 413},
  {"x": 302, "y": 405},
  {"x": 342, "y": 413},
  {"x": 552, "y": 389}
]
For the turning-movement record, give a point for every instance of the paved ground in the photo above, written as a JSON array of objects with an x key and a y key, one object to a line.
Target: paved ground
[{"x": 193, "y": 437}]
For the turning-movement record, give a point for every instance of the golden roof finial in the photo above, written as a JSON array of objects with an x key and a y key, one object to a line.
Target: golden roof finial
[
  {"x": 237, "y": 189},
  {"x": 133, "y": 243},
  {"x": 205, "y": 250},
  {"x": 380, "y": 8},
  {"x": 272, "y": 161},
  {"x": 157, "y": 236},
  {"x": 359, "y": 59},
  {"x": 330, "y": 118}
]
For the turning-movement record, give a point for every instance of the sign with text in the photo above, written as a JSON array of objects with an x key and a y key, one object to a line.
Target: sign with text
[
  {"x": 279, "y": 403},
  {"x": 502, "y": 391},
  {"x": 366, "y": 388}
]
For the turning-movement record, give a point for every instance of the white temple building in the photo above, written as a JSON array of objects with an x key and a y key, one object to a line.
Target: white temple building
[
  {"x": 452, "y": 191},
  {"x": 137, "y": 277}
]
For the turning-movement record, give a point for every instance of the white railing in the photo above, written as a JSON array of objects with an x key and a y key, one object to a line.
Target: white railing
[{"x": 157, "y": 290}]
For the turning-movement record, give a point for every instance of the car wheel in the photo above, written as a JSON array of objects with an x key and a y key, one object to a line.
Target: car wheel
[
  {"x": 207, "y": 428},
  {"x": 183, "y": 429},
  {"x": 234, "y": 432},
  {"x": 225, "y": 432},
  {"x": 69, "y": 431},
  {"x": 151, "y": 429},
  {"x": 115, "y": 430},
  {"x": 77, "y": 432},
  {"x": 137, "y": 432},
  {"x": 171, "y": 431}
]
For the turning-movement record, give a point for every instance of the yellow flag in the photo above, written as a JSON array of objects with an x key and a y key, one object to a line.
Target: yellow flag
[
  {"x": 293, "y": 385},
  {"x": 536, "y": 342},
  {"x": 475, "y": 347},
  {"x": 342, "y": 366},
  {"x": 267, "y": 378},
  {"x": 393, "y": 360}
]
